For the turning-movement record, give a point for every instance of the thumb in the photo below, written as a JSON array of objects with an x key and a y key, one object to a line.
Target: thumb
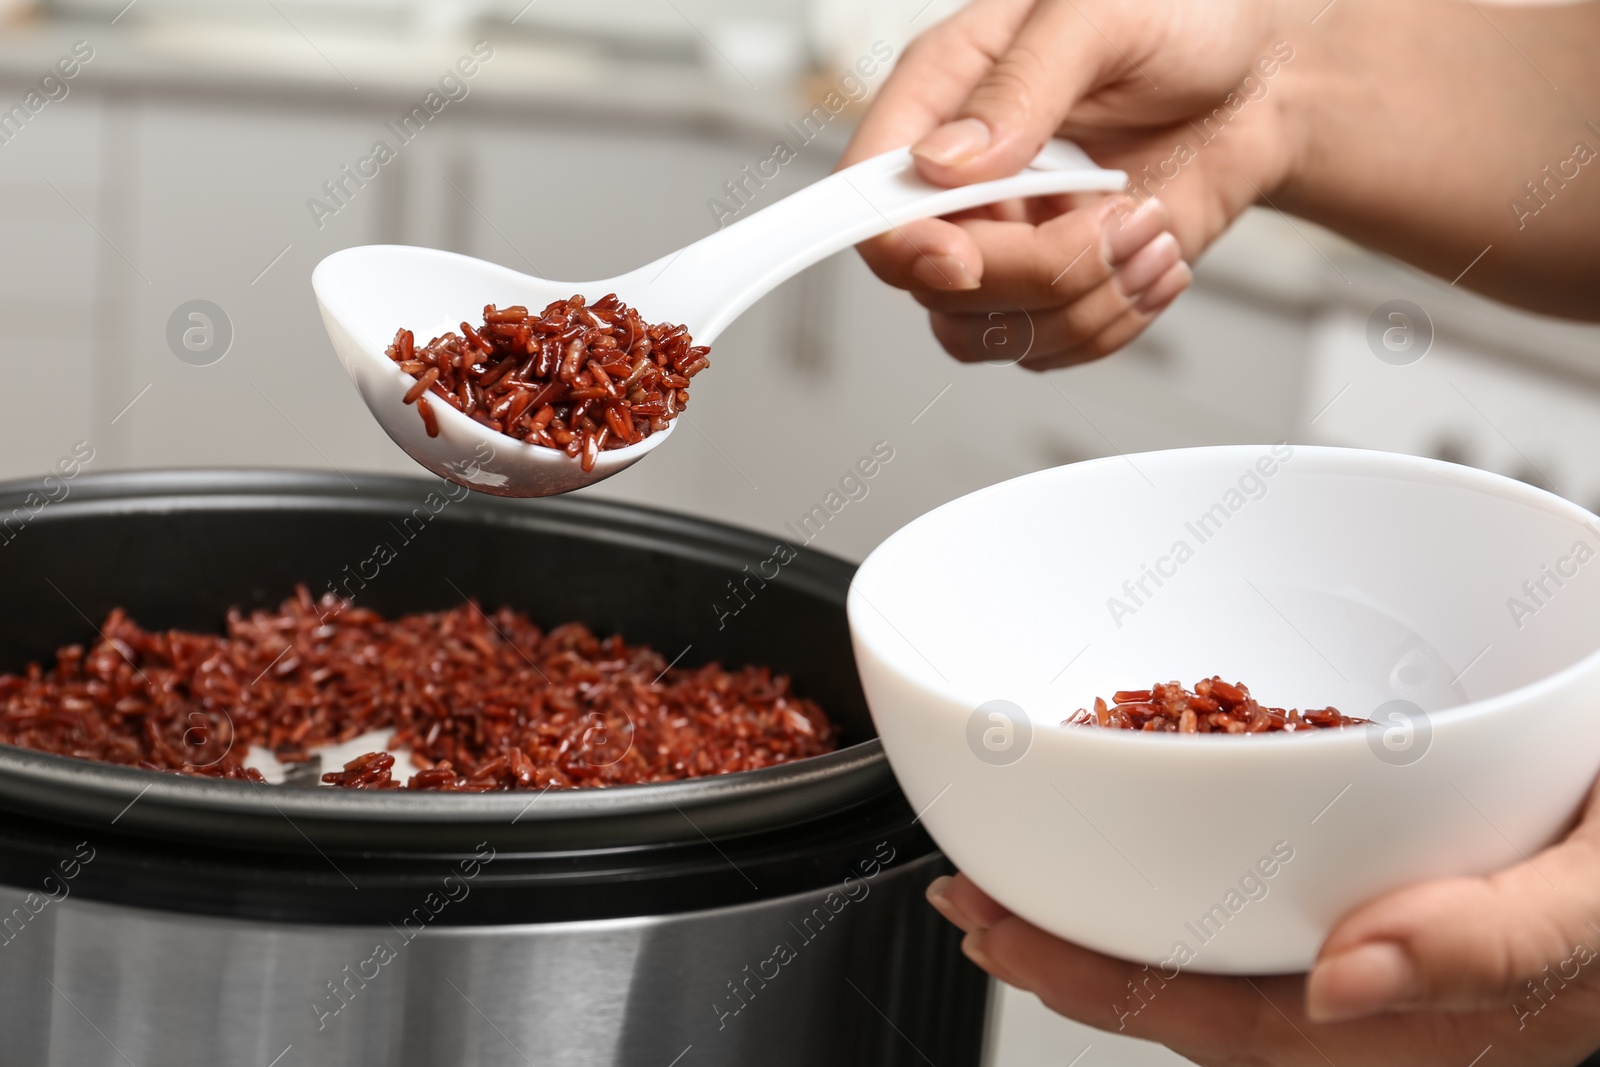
[
  {"x": 1467, "y": 943},
  {"x": 1017, "y": 106}
]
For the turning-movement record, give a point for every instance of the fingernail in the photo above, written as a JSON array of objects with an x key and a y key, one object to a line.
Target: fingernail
[
  {"x": 1128, "y": 231},
  {"x": 946, "y": 906},
  {"x": 1147, "y": 265},
  {"x": 953, "y": 143},
  {"x": 1166, "y": 289},
  {"x": 936, "y": 897},
  {"x": 942, "y": 271},
  {"x": 1364, "y": 981}
]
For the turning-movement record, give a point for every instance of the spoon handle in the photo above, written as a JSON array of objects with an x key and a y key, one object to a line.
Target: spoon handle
[{"x": 709, "y": 283}]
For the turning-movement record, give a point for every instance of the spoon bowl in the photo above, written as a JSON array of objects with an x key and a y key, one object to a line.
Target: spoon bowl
[{"x": 368, "y": 292}]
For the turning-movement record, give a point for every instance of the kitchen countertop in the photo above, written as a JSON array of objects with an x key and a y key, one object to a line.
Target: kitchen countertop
[{"x": 353, "y": 65}]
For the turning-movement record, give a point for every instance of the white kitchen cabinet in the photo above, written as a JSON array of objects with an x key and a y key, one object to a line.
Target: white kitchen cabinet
[
  {"x": 53, "y": 265},
  {"x": 221, "y": 192},
  {"x": 1464, "y": 401}
]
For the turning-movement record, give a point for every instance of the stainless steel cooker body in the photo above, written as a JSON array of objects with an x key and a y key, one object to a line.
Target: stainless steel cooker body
[{"x": 856, "y": 973}]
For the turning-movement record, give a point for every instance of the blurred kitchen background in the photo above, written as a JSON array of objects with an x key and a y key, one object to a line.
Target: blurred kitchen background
[{"x": 179, "y": 164}]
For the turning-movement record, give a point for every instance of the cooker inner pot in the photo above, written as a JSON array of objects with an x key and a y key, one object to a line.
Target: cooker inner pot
[{"x": 177, "y": 549}]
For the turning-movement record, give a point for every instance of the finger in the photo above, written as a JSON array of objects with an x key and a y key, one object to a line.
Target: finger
[
  {"x": 964, "y": 904},
  {"x": 1020, "y": 101},
  {"x": 1465, "y": 943},
  {"x": 1183, "y": 1010},
  {"x": 1028, "y": 268},
  {"x": 1116, "y": 335},
  {"x": 1095, "y": 325},
  {"x": 980, "y": 264},
  {"x": 1167, "y": 288},
  {"x": 934, "y": 75},
  {"x": 1044, "y": 337},
  {"x": 929, "y": 255}
]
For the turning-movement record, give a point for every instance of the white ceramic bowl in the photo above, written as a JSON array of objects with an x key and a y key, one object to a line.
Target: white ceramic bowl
[{"x": 1387, "y": 586}]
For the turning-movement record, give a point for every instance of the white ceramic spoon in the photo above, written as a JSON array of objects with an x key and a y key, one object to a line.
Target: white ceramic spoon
[{"x": 367, "y": 293}]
